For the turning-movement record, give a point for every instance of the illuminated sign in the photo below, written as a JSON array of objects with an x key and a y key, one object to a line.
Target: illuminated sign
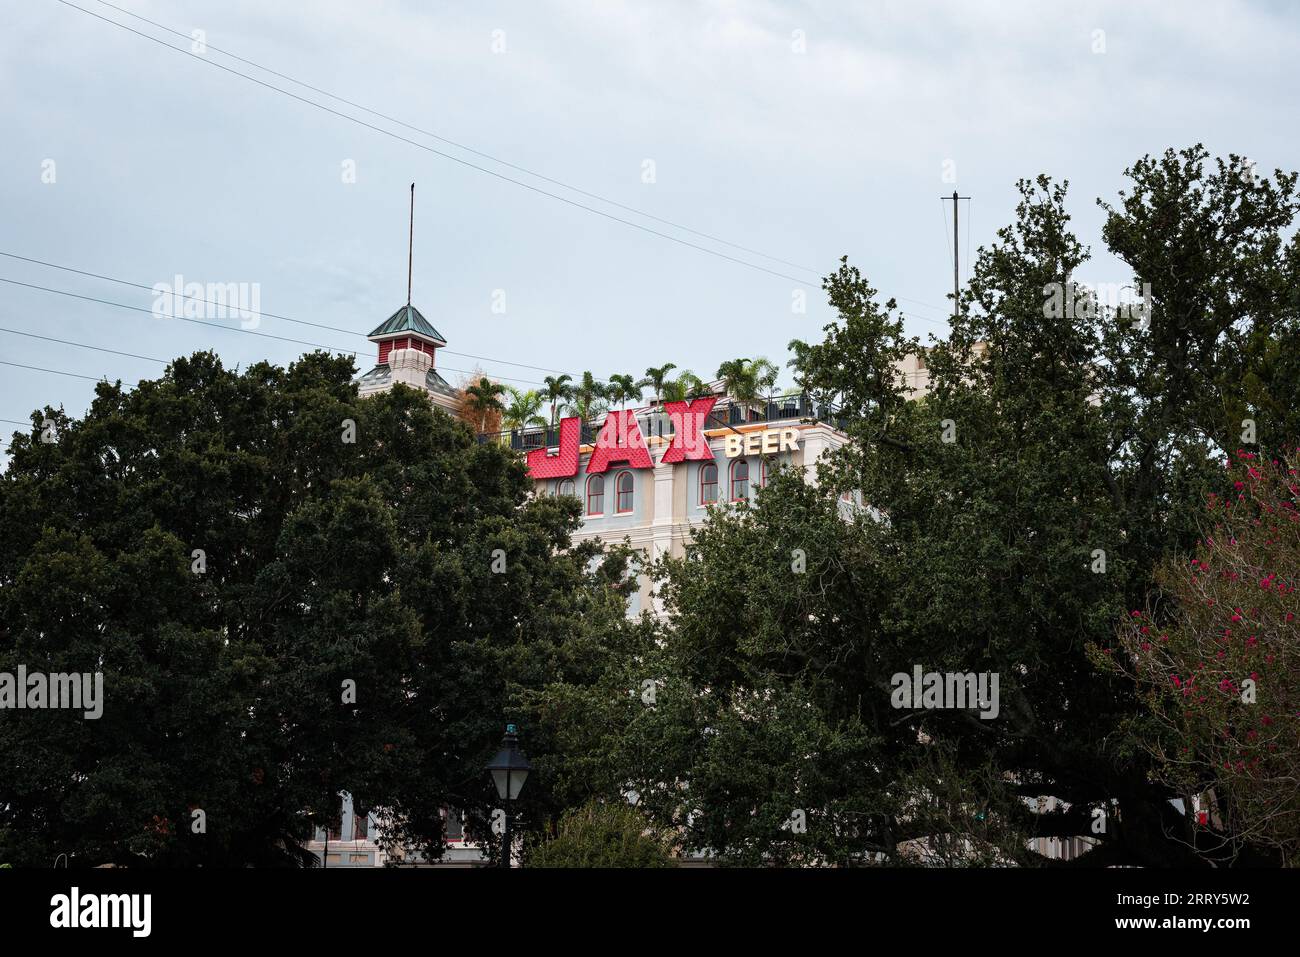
[
  {"x": 768, "y": 442},
  {"x": 621, "y": 441},
  {"x": 542, "y": 465}
]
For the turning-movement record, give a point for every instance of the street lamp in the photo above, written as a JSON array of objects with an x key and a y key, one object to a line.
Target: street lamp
[{"x": 509, "y": 771}]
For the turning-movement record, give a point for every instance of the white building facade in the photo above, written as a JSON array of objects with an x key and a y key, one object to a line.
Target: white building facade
[{"x": 649, "y": 476}]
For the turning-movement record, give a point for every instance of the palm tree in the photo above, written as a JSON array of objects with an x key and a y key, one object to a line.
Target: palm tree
[
  {"x": 746, "y": 380},
  {"x": 623, "y": 387},
  {"x": 656, "y": 376},
  {"x": 765, "y": 375},
  {"x": 685, "y": 387},
  {"x": 585, "y": 397},
  {"x": 556, "y": 392},
  {"x": 484, "y": 397},
  {"x": 522, "y": 411}
]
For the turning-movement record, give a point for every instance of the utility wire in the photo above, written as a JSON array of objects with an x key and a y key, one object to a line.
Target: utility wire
[
  {"x": 217, "y": 325},
  {"x": 969, "y": 202},
  {"x": 269, "y": 315},
  {"x": 457, "y": 159},
  {"x": 74, "y": 375},
  {"x": 444, "y": 155},
  {"x": 137, "y": 285},
  {"x": 462, "y": 146},
  {"x": 943, "y": 217},
  {"x": 199, "y": 322},
  {"x": 81, "y": 345}
]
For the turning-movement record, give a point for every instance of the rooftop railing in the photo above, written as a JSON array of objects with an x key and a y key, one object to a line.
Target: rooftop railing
[{"x": 653, "y": 421}]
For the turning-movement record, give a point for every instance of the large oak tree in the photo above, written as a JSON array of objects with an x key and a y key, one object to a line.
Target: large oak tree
[{"x": 291, "y": 592}]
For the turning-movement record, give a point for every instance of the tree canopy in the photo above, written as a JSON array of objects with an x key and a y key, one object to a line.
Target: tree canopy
[
  {"x": 290, "y": 593},
  {"x": 1016, "y": 513}
]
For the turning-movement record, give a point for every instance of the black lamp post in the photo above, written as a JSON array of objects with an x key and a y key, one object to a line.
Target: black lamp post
[{"x": 509, "y": 771}]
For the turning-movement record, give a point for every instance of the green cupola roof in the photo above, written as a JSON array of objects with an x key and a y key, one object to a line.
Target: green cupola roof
[{"x": 407, "y": 319}]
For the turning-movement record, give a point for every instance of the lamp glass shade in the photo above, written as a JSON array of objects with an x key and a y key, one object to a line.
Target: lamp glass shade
[
  {"x": 509, "y": 768},
  {"x": 509, "y": 781}
]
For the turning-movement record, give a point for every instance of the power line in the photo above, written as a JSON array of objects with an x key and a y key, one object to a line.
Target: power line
[
  {"x": 444, "y": 155},
  {"x": 462, "y": 146},
  {"x": 462, "y": 161},
  {"x": 269, "y": 315},
  {"x": 86, "y": 345},
  {"x": 969, "y": 202},
  {"x": 73, "y": 375},
  {"x": 943, "y": 218},
  {"x": 81, "y": 345},
  {"x": 200, "y": 322},
  {"x": 217, "y": 325}
]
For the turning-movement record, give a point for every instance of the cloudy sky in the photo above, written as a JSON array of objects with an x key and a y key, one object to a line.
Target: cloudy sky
[{"x": 800, "y": 131}]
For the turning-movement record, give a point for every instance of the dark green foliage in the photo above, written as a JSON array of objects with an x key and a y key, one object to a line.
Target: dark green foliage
[
  {"x": 1020, "y": 511},
  {"x": 326, "y": 562},
  {"x": 602, "y": 835}
]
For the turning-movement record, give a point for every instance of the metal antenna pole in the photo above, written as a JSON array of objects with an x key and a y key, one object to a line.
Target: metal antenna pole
[
  {"x": 410, "y": 248},
  {"x": 956, "y": 272}
]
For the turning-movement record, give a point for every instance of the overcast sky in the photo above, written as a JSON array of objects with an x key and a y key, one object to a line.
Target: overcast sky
[{"x": 803, "y": 131}]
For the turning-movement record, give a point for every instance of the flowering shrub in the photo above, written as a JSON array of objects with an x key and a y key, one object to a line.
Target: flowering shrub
[{"x": 1217, "y": 658}]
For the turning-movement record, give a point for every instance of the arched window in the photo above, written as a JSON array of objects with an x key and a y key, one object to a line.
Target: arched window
[
  {"x": 708, "y": 483},
  {"x": 739, "y": 480},
  {"x": 565, "y": 487},
  {"x": 360, "y": 823},
  {"x": 596, "y": 495},
  {"x": 623, "y": 487}
]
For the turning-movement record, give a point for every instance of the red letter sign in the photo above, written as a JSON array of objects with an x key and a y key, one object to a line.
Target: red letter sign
[
  {"x": 544, "y": 466},
  {"x": 620, "y": 440},
  {"x": 688, "y": 430}
]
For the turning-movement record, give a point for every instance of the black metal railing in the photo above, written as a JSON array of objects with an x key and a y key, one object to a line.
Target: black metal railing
[
  {"x": 524, "y": 440},
  {"x": 776, "y": 408}
]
